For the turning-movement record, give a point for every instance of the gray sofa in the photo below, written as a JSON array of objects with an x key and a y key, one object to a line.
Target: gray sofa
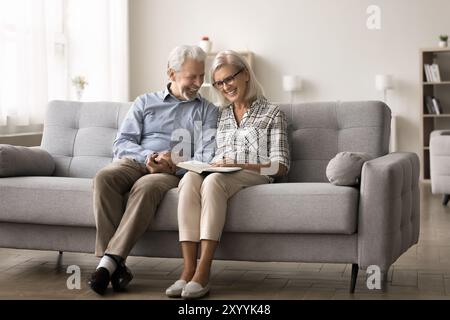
[{"x": 301, "y": 219}]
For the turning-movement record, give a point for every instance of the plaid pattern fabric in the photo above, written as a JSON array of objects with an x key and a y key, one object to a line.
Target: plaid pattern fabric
[{"x": 261, "y": 136}]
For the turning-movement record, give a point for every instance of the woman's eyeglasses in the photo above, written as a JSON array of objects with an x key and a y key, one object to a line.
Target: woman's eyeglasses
[{"x": 228, "y": 80}]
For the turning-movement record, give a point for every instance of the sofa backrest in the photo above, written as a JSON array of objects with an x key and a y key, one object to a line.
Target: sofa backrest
[
  {"x": 320, "y": 130},
  {"x": 80, "y": 135}
]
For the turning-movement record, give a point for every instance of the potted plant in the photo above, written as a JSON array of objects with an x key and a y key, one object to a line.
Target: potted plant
[
  {"x": 205, "y": 44},
  {"x": 443, "y": 41}
]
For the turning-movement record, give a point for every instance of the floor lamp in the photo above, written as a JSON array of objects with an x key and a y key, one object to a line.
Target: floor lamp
[
  {"x": 384, "y": 82},
  {"x": 292, "y": 84}
]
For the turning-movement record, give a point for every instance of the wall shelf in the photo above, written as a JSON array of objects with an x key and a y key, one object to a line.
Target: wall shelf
[
  {"x": 440, "y": 90},
  {"x": 436, "y": 83},
  {"x": 436, "y": 115}
]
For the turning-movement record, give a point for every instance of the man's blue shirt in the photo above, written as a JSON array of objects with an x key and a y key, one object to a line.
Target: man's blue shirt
[{"x": 153, "y": 124}]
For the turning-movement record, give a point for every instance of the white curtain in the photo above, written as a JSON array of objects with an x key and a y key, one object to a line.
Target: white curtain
[
  {"x": 46, "y": 43},
  {"x": 98, "y": 48},
  {"x": 26, "y": 31}
]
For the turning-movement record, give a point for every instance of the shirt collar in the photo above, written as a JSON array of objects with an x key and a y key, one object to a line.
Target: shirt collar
[
  {"x": 167, "y": 94},
  {"x": 258, "y": 101}
]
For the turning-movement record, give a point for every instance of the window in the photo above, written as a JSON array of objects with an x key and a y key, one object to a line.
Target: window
[
  {"x": 45, "y": 43},
  {"x": 31, "y": 64}
]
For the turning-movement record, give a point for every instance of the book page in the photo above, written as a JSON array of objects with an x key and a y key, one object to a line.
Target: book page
[
  {"x": 200, "y": 167},
  {"x": 193, "y": 165},
  {"x": 222, "y": 169}
]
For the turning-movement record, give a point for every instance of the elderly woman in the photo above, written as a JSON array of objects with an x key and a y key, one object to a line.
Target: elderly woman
[{"x": 251, "y": 134}]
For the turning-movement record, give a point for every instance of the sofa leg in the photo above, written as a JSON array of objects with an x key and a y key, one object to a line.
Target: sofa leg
[
  {"x": 59, "y": 262},
  {"x": 445, "y": 200},
  {"x": 384, "y": 281},
  {"x": 355, "y": 269}
]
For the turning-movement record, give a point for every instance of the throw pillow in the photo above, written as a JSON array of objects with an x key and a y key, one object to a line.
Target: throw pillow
[
  {"x": 345, "y": 168},
  {"x": 24, "y": 161}
]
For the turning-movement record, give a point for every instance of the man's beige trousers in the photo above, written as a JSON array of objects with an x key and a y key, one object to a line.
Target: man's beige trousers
[{"x": 121, "y": 222}]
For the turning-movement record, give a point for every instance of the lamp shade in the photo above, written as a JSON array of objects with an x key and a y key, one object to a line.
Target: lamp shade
[
  {"x": 383, "y": 82},
  {"x": 292, "y": 83}
]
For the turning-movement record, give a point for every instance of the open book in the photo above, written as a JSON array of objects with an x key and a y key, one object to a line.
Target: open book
[{"x": 200, "y": 167}]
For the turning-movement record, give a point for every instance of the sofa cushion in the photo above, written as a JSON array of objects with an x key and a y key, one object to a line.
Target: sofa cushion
[
  {"x": 64, "y": 201},
  {"x": 272, "y": 208},
  {"x": 24, "y": 161},
  {"x": 80, "y": 135},
  {"x": 345, "y": 168},
  {"x": 294, "y": 208},
  {"x": 47, "y": 200},
  {"x": 280, "y": 208}
]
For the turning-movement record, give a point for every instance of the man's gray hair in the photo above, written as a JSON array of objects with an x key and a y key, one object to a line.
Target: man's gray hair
[
  {"x": 179, "y": 55},
  {"x": 230, "y": 57}
]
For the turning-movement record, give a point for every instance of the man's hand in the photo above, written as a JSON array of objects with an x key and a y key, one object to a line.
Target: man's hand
[
  {"x": 160, "y": 164},
  {"x": 166, "y": 156}
]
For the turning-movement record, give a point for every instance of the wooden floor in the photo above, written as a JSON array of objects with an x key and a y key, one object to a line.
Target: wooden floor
[{"x": 423, "y": 272}]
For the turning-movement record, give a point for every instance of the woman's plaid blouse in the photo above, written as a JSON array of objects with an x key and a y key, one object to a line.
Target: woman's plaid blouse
[{"x": 261, "y": 136}]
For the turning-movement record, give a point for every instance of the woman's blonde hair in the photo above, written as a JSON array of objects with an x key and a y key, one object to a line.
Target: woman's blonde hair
[{"x": 229, "y": 57}]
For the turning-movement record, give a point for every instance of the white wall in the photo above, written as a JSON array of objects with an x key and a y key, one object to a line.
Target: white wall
[{"x": 326, "y": 42}]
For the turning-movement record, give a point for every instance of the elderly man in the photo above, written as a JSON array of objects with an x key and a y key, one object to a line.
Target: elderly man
[{"x": 143, "y": 163}]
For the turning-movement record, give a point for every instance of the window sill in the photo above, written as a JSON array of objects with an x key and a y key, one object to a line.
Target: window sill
[{"x": 26, "y": 139}]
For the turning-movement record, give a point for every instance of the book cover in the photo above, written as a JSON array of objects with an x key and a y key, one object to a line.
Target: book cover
[
  {"x": 429, "y": 104},
  {"x": 201, "y": 167},
  {"x": 437, "y": 106},
  {"x": 435, "y": 74},
  {"x": 427, "y": 70}
]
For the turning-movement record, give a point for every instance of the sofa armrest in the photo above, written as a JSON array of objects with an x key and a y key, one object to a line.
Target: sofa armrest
[
  {"x": 25, "y": 161},
  {"x": 389, "y": 209}
]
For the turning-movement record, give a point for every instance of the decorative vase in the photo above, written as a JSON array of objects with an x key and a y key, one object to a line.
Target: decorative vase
[
  {"x": 79, "y": 94},
  {"x": 443, "y": 44},
  {"x": 205, "y": 45}
]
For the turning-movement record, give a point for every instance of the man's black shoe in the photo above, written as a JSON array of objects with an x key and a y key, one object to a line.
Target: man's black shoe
[
  {"x": 121, "y": 277},
  {"x": 99, "y": 280}
]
